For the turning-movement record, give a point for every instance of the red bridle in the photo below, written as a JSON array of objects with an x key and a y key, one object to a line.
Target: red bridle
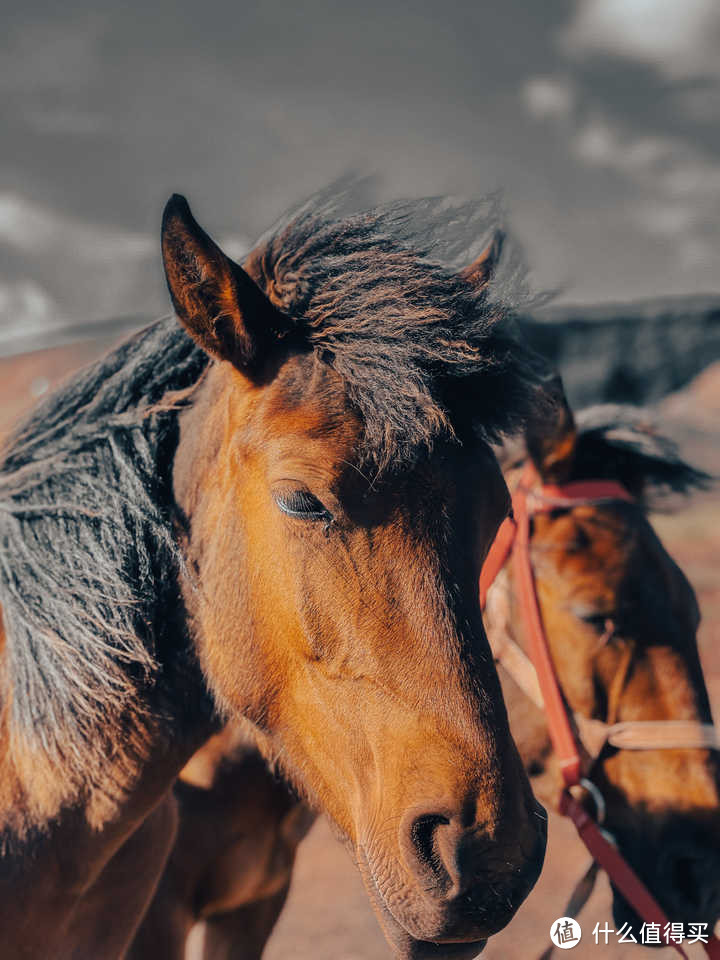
[{"x": 513, "y": 541}]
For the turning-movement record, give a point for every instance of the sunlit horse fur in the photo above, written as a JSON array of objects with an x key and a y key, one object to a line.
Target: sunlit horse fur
[
  {"x": 281, "y": 517},
  {"x": 598, "y": 569}
]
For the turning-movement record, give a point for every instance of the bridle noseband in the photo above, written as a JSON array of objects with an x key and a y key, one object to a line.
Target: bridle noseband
[{"x": 578, "y": 741}]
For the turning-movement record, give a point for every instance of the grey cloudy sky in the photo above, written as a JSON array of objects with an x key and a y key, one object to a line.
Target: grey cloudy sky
[{"x": 597, "y": 118}]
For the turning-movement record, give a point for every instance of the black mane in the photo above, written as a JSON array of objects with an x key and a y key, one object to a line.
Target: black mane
[
  {"x": 87, "y": 544},
  {"x": 87, "y": 550},
  {"x": 621, "y": 442}
]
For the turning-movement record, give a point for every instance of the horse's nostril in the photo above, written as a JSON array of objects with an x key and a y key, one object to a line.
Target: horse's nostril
[
  {"x": 467, "y": 879},
  {"x": 423, "y": 835},
  {"x": 451, "y": 859}
]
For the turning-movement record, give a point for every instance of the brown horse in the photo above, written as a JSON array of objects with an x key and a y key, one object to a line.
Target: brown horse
[
  {"x": 281, "y": 517},
  {"x": 239, "y": 827},
  {"x": 620, "y": 620}
]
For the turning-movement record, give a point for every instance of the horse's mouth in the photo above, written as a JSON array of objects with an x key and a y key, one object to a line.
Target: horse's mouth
[
  {"x": 405, "y": 946},
  {"x": 423, "y": 950}
]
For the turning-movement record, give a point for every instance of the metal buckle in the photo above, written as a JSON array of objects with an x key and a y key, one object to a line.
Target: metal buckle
[{"x": 598, "y": 800}]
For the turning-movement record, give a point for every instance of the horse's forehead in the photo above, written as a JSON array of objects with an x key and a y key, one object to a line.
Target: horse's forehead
[
  {"x": 589, "y": 535},
  {"x": 588, "y": 556},
  {"x": 306, "y": 403},
  {"x": 605, "y": 557},
  {"x": 304, "y": 381}
]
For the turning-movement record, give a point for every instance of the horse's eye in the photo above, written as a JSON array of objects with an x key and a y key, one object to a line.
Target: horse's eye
[
  {"x": 596, "y": 620},
  {"x": 602, "y": 623},
  {"x": 303, "y": 504}
]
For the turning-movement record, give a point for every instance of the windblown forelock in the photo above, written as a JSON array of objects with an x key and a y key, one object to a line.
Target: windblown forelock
[{"x": 403, "y": 330}]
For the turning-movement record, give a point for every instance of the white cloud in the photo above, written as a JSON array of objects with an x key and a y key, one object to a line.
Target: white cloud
[
  {"x": 669, "y": 165},
  {"x": 679, "y": 37},
  {"x": 59, "y": 57},
  {"x": 600, "y": 143},
  {"x": 677, "y": 223},
  {"x": 236, "y": 246},
  {"x": 66, "y": 121},
  {"x": 677, "y": 188},
  {"x": 91, "y": 270},
  {"x": 668, "y": 219},
  {"x": 548, "y": 98},
  {"x": 26, "y": 310},
  {"x": 673, "y": 184},
  {"x": 31, "y": 228}
]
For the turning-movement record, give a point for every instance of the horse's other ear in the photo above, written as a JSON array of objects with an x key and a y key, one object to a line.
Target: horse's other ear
[
  {"x": 224, "y": 311},
  {"x": 480, "y": 272},
  {"x": 551, "y": 439}
]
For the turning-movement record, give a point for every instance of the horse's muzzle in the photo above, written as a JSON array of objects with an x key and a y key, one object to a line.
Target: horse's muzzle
[{"x": 461, "y": 885}]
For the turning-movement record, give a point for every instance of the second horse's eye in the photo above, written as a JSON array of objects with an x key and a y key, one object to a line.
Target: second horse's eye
[
  {"x": 302, "y": 504},
  {"x": 604, "y": 624},
  {"x": 599, "y": 621}
]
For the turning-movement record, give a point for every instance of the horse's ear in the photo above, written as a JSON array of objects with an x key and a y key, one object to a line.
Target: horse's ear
[
  {"x": 480, "y": 272},
  {"x": 215, "y": 300},
  {"x": 551, "y": 439}
]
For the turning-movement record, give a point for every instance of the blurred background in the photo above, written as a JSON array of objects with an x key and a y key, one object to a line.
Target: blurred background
[{"x": 597, "y": 119}]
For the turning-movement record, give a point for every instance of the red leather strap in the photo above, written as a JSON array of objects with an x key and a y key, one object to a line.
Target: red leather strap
[
  {"x": 614, "y": 864},
  {"x": 712, "y": 948},
  {"x": 562, "y": 734},
  {"x": 582, "y": 491},
  {"x": 497, "y": 557}
]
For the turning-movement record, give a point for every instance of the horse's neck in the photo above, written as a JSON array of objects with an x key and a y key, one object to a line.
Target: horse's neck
[
  {"x": 202, "y": 432},
  {"x": 171, "y": 720}
]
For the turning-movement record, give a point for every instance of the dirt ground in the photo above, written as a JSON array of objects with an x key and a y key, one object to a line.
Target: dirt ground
[{"x": 328, "y": 916}]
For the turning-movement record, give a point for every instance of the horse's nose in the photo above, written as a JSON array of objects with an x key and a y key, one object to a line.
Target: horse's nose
[{"x": 481, "y": 878}]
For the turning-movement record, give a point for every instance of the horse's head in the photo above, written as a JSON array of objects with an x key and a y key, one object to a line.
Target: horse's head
[
  {"x": 621, "y": 620},
  {"x": 341, "y": 496}
]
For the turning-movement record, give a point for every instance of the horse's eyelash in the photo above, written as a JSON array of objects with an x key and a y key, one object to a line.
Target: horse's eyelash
[
  {"x": 302, "y": 503},
  {"x": 597, "y": 619}
]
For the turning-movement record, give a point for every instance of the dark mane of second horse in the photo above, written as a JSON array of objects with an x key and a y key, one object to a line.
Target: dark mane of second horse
[{"x": 619, "y": 442}]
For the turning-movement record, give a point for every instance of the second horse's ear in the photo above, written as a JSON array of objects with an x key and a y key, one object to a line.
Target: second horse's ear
[
  {"x": 551, "y": 438},
  {"x": 219, "y": 305},
  {"x": 480, "y": 272}
]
